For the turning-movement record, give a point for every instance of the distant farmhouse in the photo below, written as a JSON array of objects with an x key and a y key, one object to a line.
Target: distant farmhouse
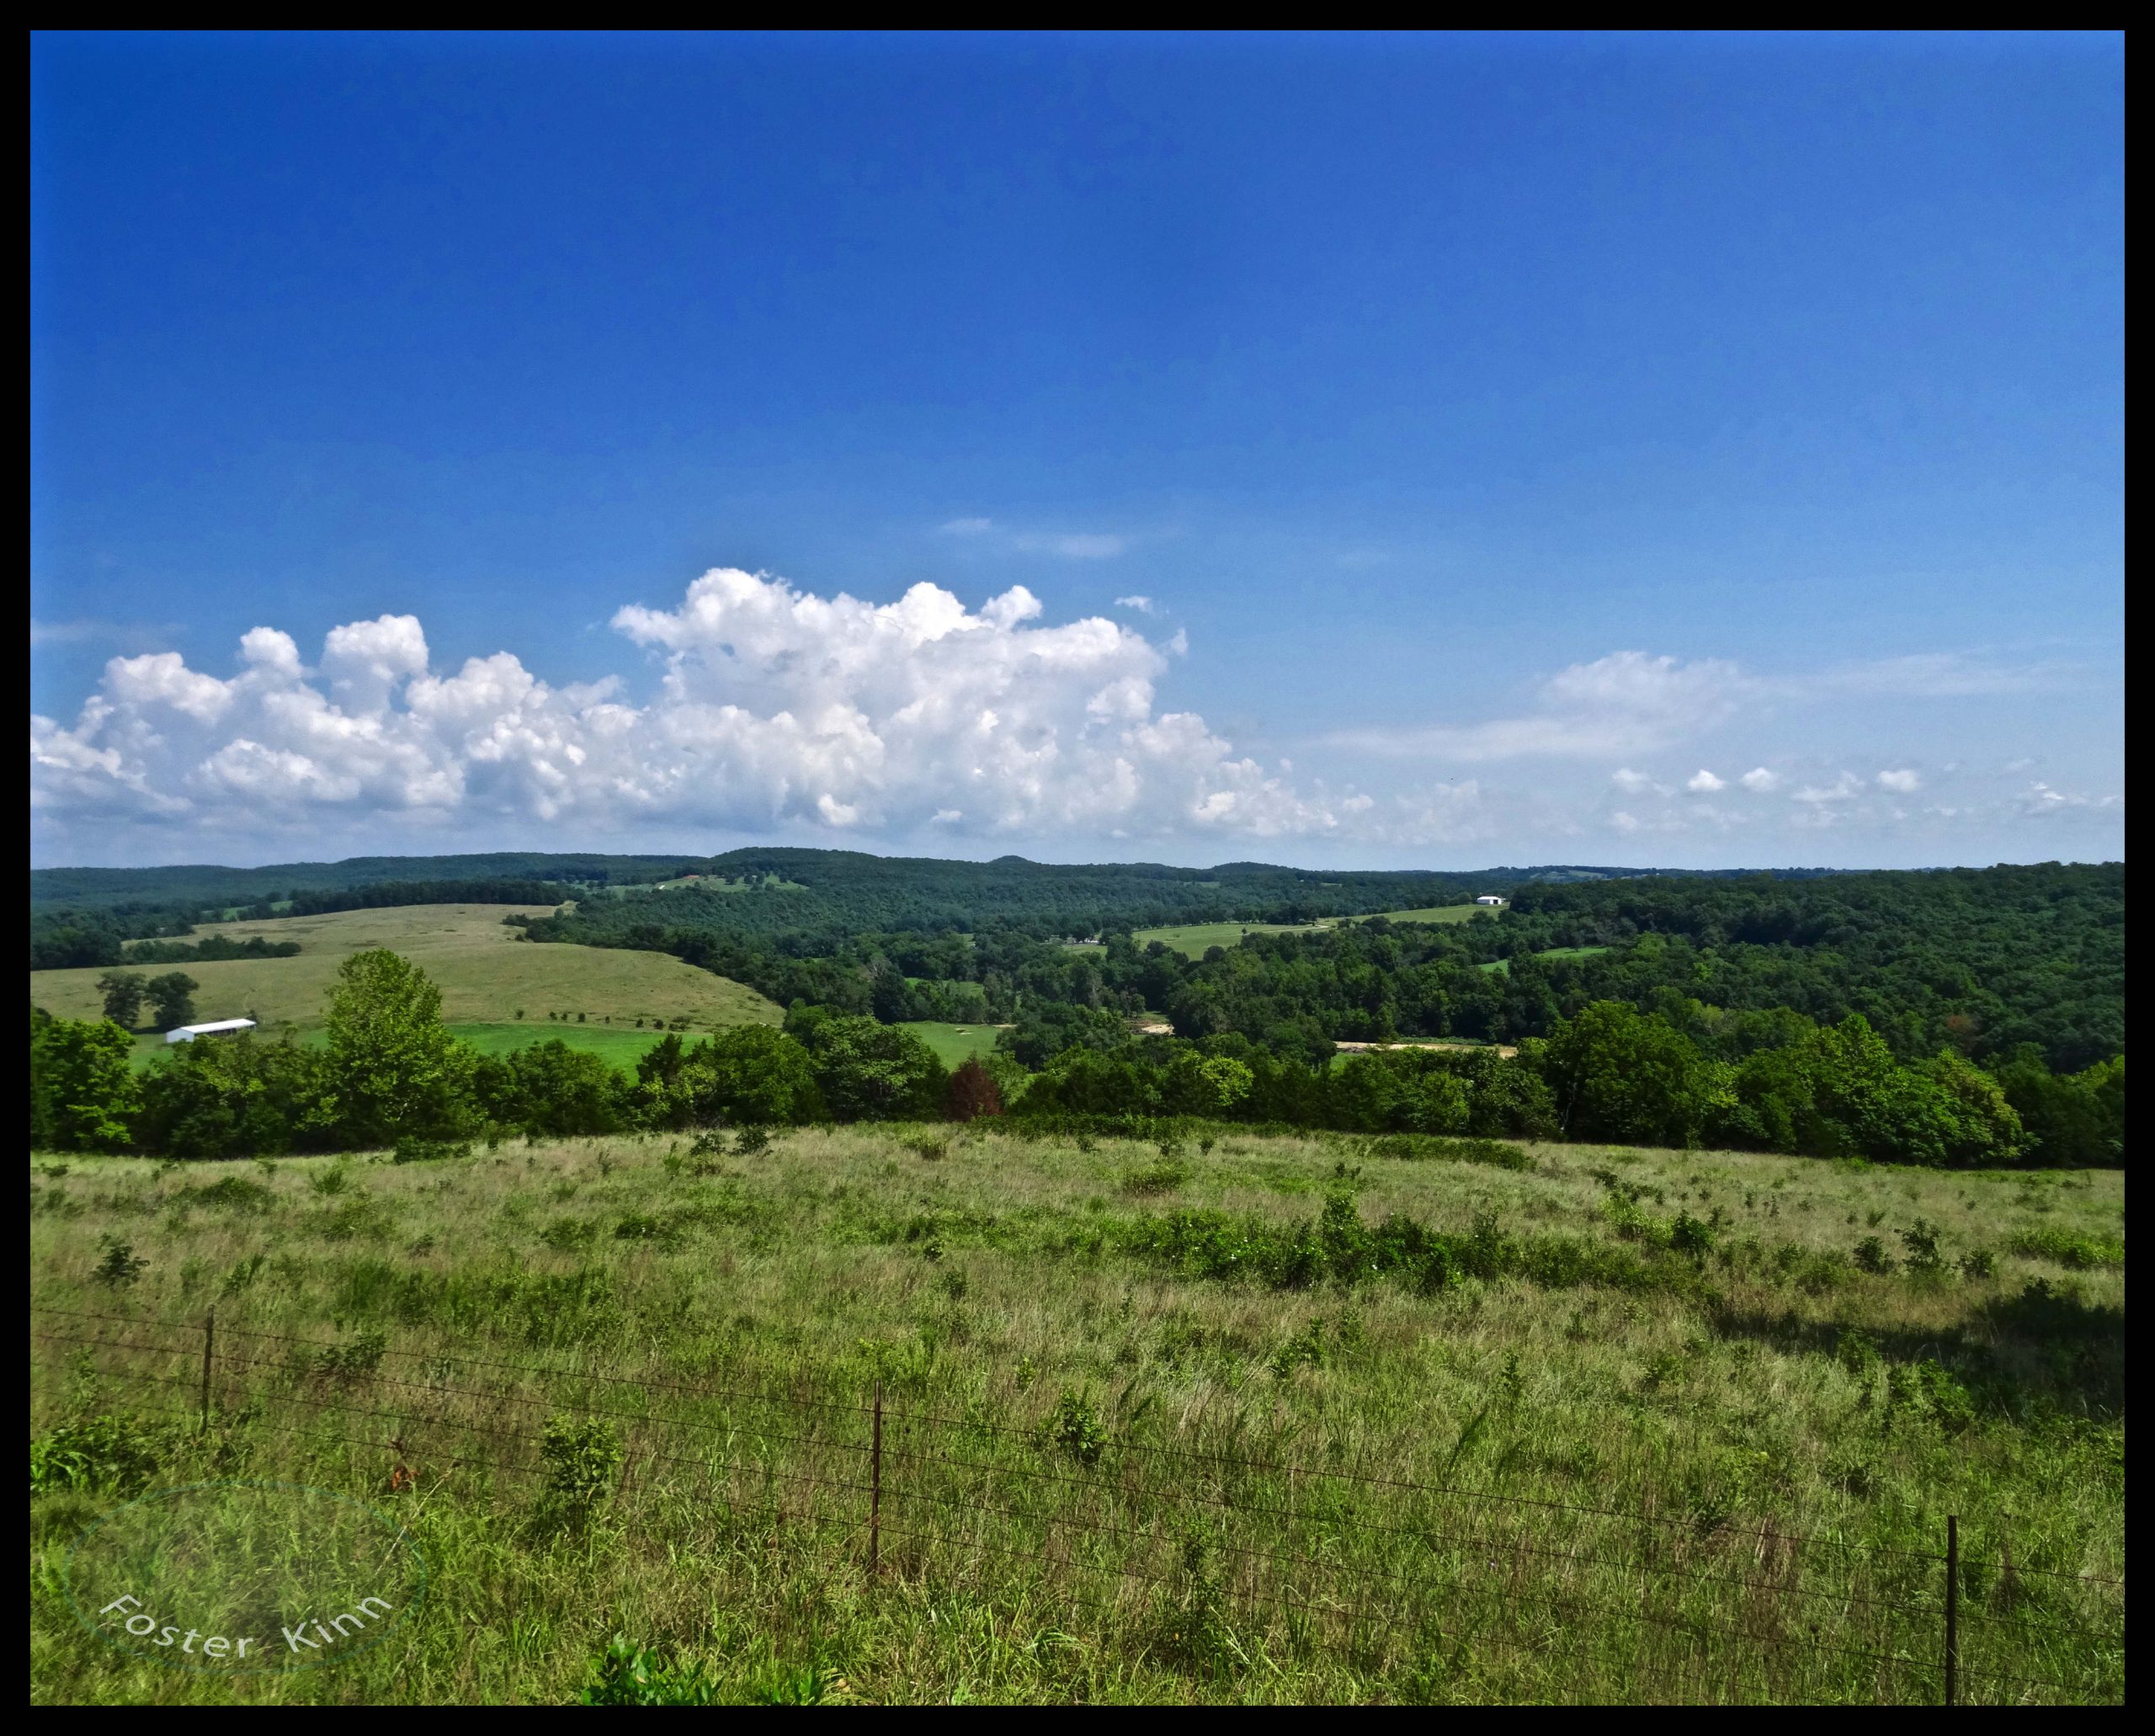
[
  {"x": 1489, "y": 898},
  {"x": 220, "y": 1027}
]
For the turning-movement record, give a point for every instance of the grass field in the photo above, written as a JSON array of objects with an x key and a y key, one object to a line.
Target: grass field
[
  {"x": 1119, "y": 1462},
  {"x": 1503, "y": 966},
  {"x": 952, "y": 1043},
  {"x": 1194, "y": 939},
  {"x": 486, "y": 973},
  {"x": 1441, "y": 912}
]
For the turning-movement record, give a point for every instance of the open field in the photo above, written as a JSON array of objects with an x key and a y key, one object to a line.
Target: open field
[
  {"x": 1502, "y": 967},
  {"x": 1128, "y": 1454},
  {"x": 487, "y": 974},
  {"x": 1440, "y": 912},
  {"x": 1343, "y": 1050},
  {"x": 953, "y": 1044},
  {"x": 1194, "y": 939}
]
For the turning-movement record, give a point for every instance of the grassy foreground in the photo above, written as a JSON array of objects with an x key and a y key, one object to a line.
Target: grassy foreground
[
  {"x": 487, "y": 974},
  {"x": 1121, "y": 1461}
]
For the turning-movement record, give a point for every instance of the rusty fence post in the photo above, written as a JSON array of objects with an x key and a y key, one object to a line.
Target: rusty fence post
[
  {"x": 1952, "y": 1607},
  {"x": 875, "y": 1488},
  {"x": 209, "y": 1342}
]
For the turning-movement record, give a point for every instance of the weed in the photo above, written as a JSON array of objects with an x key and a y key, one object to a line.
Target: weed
[
  {"x": 1074, "y": 1426},
  {"x": 626, "y": 1675},
  {"x": 582, "y": 1459}
]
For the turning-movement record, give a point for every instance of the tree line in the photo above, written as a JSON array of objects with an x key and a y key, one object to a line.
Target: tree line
[{"x": 391, "y": 1070}]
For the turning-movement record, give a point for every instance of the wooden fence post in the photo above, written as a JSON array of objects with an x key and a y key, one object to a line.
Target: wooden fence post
[
  {"x": 875, "y": 1489},
  {"x": 208, "y": 1340},
  {"x": 1952, "y": 1607}
]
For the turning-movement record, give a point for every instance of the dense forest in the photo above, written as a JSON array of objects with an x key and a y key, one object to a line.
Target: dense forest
[{"x": 1985, "y": 1007}]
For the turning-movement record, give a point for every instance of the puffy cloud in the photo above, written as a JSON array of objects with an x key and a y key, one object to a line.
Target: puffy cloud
[
  {"x": 1759, "y": 780},
  {"x": 1902, "y": 782},
  {"x": 775, "y": 708},
  {"x": 163, "y": 679},
  {"x": 365, "y": 660},
  {"x": 1143, "y": 605},
  {"x": 1704, "y": 783}
]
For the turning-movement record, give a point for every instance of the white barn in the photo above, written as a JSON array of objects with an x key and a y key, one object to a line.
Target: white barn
[
  {"x": 1489, "y": 898},
  {"x": 218, "y": 1027}
]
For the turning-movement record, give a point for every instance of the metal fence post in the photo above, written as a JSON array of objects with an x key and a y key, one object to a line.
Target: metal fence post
[
  {"x": 1952, "y": 1606},
  {"x": 875, "y": 1489},
  {"x": 208, "y": 1340}
]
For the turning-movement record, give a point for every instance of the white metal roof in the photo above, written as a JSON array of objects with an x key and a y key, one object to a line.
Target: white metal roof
[{"x": 188, "y": 1033}]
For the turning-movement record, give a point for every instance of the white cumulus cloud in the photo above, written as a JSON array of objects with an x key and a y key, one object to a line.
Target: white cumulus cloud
[
  {"x": 1902, "y": 782},
  {"x": 775, "y": 707},
  {"x": 1704, "y": 783}
]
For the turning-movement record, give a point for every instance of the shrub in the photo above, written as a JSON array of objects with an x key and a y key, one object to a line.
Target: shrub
[
  {"x": 357, "y": 1357},
  {"x": 1920, "y": 1239},
  {"x": 120, "y": 1265},
  {"x": 411, "y": 1150},
  {"x": 2069, "y": 1249},
  {"x": 1870, "y": 1255},
  {"x": 114, "y": 1454}
]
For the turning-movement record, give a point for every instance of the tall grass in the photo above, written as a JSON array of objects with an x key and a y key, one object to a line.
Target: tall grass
[{"x": 1225, "y": 1428}]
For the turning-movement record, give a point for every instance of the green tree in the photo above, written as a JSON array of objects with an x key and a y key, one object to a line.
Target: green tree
[
  {"x": 869, "y": 1072},
  {"x": 1622, "y": 1075},
  {"x": 172, "y": 995},
  {"x": 123, "y": 992},
  {"x": 553, "y": 1089},
  {"x": 238, "y": 1097},
  {"x": 748, "y": 1075},
  {"x": 82, "y": 1092},
  {"x": 400, "y": 1072}
]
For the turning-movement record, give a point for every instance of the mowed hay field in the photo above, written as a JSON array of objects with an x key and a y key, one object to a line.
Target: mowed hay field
[
  {"x": 487, "y": 974},
  {"x": 953, "y": 1044},
  {"x": 1124, "y": 1459},
  {"x": 1194, "y": 939}
]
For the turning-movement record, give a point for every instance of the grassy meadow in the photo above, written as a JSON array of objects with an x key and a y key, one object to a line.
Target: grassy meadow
[
  {"x": 953, "y": 1044},
  {"x": 486, "y": 972},
  {"x": 1194, "y": 939},
  {"x": 1441, "y": 912},
  {"x": 1675, "y": 1426}
]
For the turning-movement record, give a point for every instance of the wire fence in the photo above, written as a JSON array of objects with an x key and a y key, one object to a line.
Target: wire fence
[{"x": 1203, "y": 1552}]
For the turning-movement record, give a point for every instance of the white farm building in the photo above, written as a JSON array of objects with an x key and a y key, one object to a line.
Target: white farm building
[
  {"x": 220, "y": 1027},
  {"x": 1489, "y": 898}
]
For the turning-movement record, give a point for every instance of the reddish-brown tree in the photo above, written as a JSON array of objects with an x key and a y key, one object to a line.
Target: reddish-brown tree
[{"x": 972, "y": 1092}]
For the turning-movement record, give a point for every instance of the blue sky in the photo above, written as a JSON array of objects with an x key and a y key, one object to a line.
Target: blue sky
[{"x": 1694, "y": 451}]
